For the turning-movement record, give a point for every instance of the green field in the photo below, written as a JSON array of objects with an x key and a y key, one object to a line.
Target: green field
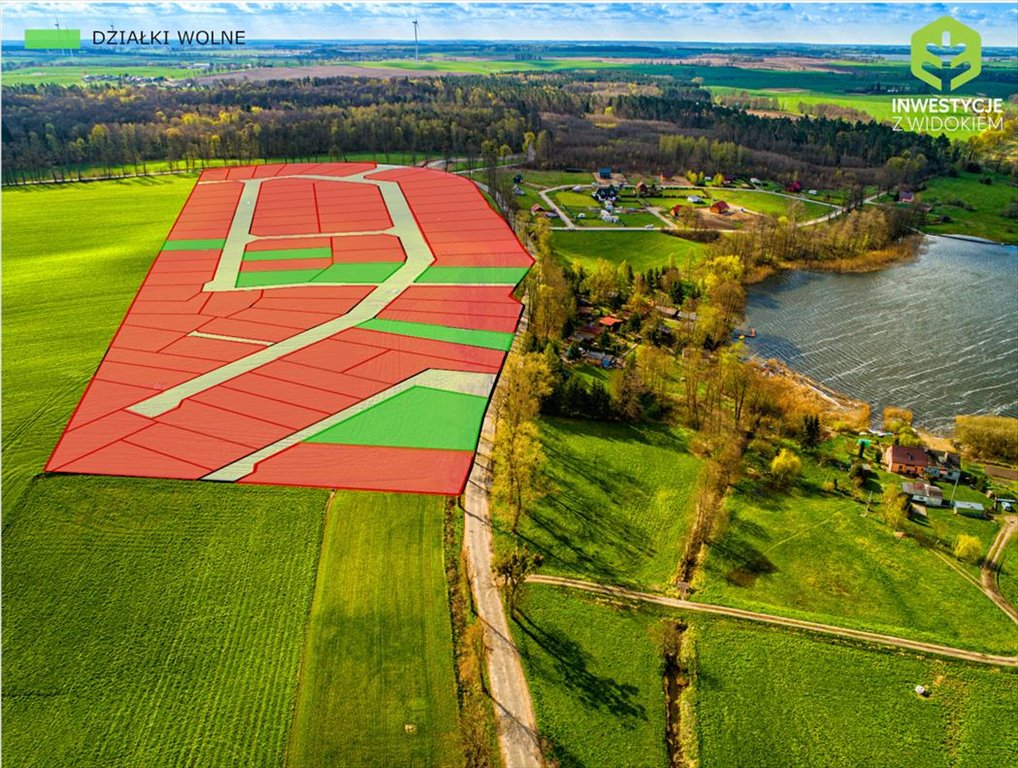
[
  {"x": 66, "y": 287},
  {"x": 74, "y": 75},
  {"x": 763, "y": 697},
  {"x": 483, "y": 66},
  {"x": 161, "y": 623},
  {"x": 813, "y": 554},
  {"x": 621, "y": 503},
  {"x": 379, "y": 651},
  {"x": 951, "y": 196},
  {"x": 770, "y": 698},
  {"x": 757, "y": 202},
  {"x": 153, "y": 623},
  {"x": 642, "y": 250},
  {"x": 595, "y": 676}
]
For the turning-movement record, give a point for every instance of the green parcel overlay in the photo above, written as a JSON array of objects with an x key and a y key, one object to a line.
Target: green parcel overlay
[
  {"x": 420, "y": 417},
  {"x": 289, "y": 253},
  {"x": 43, "y": 39},
  {"x": 368, "y": 273},
  {"x": 193, "y": 245},
  {"x": 470, "y": 336},
  {"x": 474, "y": 275}
]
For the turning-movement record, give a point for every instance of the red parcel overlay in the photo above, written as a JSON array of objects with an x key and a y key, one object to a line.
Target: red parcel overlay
[{"x": 328, "y": 324}]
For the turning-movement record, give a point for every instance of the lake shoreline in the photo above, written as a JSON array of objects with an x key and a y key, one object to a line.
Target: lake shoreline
[
  {"x": 934, "y": 335},
  {"x": 901, "y": 252}
]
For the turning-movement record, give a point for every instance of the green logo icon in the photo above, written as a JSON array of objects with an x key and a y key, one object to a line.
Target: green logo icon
[
  {"x": 946, "y": 54},
  {"x": 46, "y": 39}
]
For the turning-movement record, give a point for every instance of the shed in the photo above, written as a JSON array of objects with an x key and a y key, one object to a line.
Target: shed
[
  {"x": 969, "y": 507},
  {"x": 720, "y": 206},
  {"x": 906, "y": 197},
  {"x": 536, "y": 208},
  {"x": 609, "y": 322},
  {"x": 605, "y": 173},
  {"x": 694, "y": 199}
]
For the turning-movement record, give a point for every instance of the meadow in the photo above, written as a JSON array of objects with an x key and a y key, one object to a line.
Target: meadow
[
  {"x": 815, "y": 554},
  {"x": 594, "y": 671},
  {"x": 378, "y": 657},
  {"x": 620, "y": 503},
  {"x": 641, "y": 250},
  {"x": 771, "y": 698},
  {"x": 765, "y": 697},
  {"x": 153, "y": 623},
  {"x": 953, "y": 196}
]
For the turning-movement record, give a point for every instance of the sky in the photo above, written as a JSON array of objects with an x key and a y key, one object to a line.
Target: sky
[{"x": 743, "y": 22}]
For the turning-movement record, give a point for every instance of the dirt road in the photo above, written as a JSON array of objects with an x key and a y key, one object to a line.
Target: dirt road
[
  {"x": 738, "y": 613},
  {"x": 991, "y": 567},
  {"x": 514, "y": 709}
]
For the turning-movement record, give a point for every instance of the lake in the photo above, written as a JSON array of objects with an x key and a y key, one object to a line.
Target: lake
[{"x": 937, "y": 335}]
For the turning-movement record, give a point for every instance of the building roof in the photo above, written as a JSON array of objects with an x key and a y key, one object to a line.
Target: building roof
[
  {"x": 908, "y": 455},
  {"x": 609, "y": 321},
  {"x": 922, "y": 489},
  {"x": 720, "y": 205},
  {"x": 973, "y": 505}
]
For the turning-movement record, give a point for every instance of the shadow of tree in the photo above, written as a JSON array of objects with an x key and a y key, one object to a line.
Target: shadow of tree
[{"x": 572, "y": 665}]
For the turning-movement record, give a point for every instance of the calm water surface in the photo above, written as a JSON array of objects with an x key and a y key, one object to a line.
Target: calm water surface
[{"x": 938, "y": 335}]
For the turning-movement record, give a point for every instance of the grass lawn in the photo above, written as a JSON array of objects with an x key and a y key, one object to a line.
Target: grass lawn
[
  {"x": 949, "y": 196},
  {"x": 154, "y": 623},
  {"x": 620, "y": 504},
  {"x": 813, "y": 554},
  {"x": 841, "y": 706},
  {"x": 595, "y": 673},
  {"x": 379, "y": 650},
  {"x": 642, "y": 250},
  {"x": 73, "y": 258}
]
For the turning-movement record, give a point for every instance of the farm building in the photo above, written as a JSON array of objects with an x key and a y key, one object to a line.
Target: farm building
[
  {"x": 969, "y": 508},
  {"x": 923, "y": 493},
  {"x": 642, "y": 189},
  {"x": 944, "y": 465},
  {"x": 906, "y": 197},
  {"x": 720, "y": 206},
  {"x": 609, "y": 322},
  {"x": 795, "y": 186},
  {"x": 906, "y": 460}
]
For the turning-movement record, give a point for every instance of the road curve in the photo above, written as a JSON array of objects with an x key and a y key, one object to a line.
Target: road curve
[
  {"x": 766, "y": 618},
  {"x": 991, "y": 567},
  {"x": 514, "y": 709}
]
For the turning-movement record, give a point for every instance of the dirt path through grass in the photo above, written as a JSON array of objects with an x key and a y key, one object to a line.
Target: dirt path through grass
[{"x": 827, "y": 629}]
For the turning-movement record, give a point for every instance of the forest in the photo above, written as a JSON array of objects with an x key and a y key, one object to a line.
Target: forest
[{"x": 648, "y": 123}]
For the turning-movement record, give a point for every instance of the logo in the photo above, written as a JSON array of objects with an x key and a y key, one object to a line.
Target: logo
[
  {"x": 946, "y": 54},
  {"x": 46, "y": 39}
]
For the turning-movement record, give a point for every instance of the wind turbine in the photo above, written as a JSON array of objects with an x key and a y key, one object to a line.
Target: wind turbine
[{"x": 415, "y": 41}]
